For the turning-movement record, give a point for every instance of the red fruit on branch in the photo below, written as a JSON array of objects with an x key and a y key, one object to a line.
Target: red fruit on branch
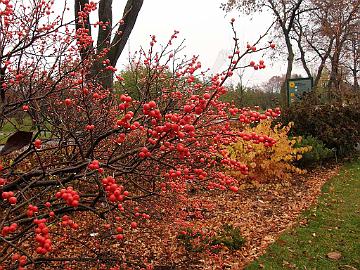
[
  {"x": 2, "y": 181},
  {"x": 89, "y": 127},
  {"x": 119, "y": 236},
  {"x": 37, "y": 143},
  {"x": 68, "y": 102},
  {"x": 12, "y": 200}
]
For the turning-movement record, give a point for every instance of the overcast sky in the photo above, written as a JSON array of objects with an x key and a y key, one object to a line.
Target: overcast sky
[{"x": 206, "y": 29}]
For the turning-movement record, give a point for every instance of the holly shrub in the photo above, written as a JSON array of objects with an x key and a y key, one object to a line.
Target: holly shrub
[{"x": 113, "y": 166}]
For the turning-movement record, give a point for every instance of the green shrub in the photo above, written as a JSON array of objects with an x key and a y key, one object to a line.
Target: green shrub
[
  {"x": 199, "y": 241},
  {"x": 193, "y": 241},
  {"x": 230, "y": 237},
  {"x": 318, "y": 153},
  {"x": 337, "y": 125}
]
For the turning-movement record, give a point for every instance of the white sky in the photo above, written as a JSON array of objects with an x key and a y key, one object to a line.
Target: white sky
[{"x": 206, "y": 29}]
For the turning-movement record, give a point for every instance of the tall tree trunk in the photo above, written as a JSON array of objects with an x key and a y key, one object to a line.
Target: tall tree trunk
[
  {"x": 334, "y": 82},
  {"x": 319, "y": 73},
  {"x": 290, "y": 62},
  {"x": 120, "y": 37},
  {"x": 300, "y": 34},
  {"x": 286, "y": 26},
  {"x": 355, "y": 70},
  {"x": 356, "y": 86},
  {"x": 303, "y": 61},
  {"x": 323, "y": 58}
]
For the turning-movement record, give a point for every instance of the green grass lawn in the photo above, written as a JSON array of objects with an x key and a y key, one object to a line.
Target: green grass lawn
[
  {"x": 10, "y": 128},
  {"x": 332, "y": 226}
]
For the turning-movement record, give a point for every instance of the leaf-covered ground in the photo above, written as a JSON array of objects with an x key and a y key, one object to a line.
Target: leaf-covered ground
[
  {"x": 264, "y": 213},
  {"x": 261, "y": 213}
]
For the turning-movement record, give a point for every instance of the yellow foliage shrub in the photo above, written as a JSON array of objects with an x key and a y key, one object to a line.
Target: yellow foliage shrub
[{"x": 268, "y": 163}]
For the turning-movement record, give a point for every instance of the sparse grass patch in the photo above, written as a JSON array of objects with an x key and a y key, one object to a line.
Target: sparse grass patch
[{"x": 331, "y": 226}]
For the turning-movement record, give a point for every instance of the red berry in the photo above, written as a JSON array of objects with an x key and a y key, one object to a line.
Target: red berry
[
  {"x": 2, "y": 181},
  {"x": 187, "y": 108},
  {"x": 68, "y": 102},
  {"x": 16, "y": 257},
  {"x": 206, "y": 95},
  {"x": 12, "y": 200},
  {"x": 37, "y": 143},
  {"x": 152, "y": 104},
  {"x": 119, "y": 237}
]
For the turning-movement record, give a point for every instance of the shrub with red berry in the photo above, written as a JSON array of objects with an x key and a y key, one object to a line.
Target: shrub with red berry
[{"x": 110, "y": 161}]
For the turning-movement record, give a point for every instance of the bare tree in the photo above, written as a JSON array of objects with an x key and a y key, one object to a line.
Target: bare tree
[
  {"x": 314, "y": 42},
  {"x": 338, "y": 25},
  {"x": 285, "y": 12},
  {"x": 352, "y": 57}
]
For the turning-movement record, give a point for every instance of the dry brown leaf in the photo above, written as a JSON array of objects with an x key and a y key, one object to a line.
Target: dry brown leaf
[{"x": 334, "y": 255}]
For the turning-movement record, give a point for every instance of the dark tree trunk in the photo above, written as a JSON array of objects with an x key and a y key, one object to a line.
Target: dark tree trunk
[
  {"x": 335, "y": 76},
  {"x": 290, "y": 62},
  {"x": 119, "y": 40},
  {"x": 299, "y": 39},
  {"x": 286, "y": 25},
  {"x": 303, "y": 61},
  {"x": 356, "y": 82},
  {"x": 355, "y": 70},
  {"x": 319, "y": 73},
  {"x": 323, "y": 60}
]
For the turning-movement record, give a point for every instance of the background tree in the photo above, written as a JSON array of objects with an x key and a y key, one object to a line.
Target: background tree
[
  {"x": 284, "y": 13},
  {"x": 324, "y": 32},
  {"x": 339, "y": 25},
  {"x": 352, "y": 56}
]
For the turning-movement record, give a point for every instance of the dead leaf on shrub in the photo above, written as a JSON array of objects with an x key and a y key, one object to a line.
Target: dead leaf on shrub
[
  {"x": 334, "y": 255},
  {"x": 16, "y": 141}
]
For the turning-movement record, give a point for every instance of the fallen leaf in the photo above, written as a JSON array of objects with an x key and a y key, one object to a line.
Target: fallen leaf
[
  {"x": 334, "y": 255},
  {"x": 16, "y": 141}
]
